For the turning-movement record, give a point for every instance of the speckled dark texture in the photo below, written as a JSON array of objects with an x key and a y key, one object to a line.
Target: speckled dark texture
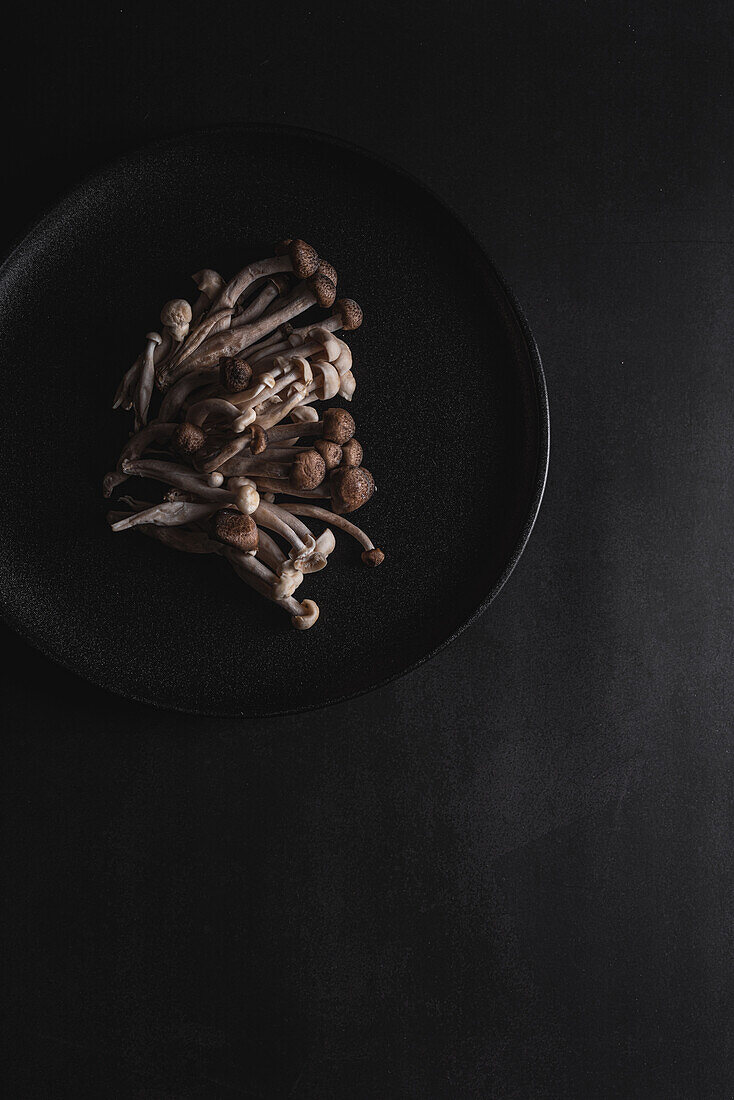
[{"x": 449, "y": 405}]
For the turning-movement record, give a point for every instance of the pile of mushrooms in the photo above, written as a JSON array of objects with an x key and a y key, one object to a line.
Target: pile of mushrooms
[{"x": 244, "y": 456}]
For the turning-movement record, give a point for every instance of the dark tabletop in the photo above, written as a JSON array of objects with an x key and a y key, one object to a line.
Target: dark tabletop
[{"x": 507, "y": 875}]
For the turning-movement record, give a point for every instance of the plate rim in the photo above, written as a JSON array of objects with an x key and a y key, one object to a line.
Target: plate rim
[{"x": 67, "y": 199}]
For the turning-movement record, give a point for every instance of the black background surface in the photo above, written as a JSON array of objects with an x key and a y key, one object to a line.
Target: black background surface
[{"x": 508, "y": 875}]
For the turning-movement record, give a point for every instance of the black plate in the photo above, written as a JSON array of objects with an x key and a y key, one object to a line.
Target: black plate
[{"x": 450, "y": 404}]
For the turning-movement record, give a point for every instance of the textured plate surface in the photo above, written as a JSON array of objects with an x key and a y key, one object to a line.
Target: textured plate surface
[{"x": 450, "y": 407}]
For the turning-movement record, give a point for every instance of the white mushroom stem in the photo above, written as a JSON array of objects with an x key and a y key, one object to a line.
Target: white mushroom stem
[
  {"x": 304, "y": 414},
  {"x": 146, "y": 379},
  {"x": 329, "y": 383},
  {"x": 180, "y": 477},
  {"x": 232, "y": 342},
  {"x": 343, "y": 361},
  {"x": 168, "y": 514},
  {"x": 258, "y": 305},
  {"x": 212, "y": 406},
  {"x": 282, "y": 485},
  {"x": 301, "y": 429},
  {"x": 332, "y": 323},
  {"x": 295, "y": 523},
  {"x": 285, "y": 373},
  {"x": 289, "y": 579},
  {"x": 134, "y": 448},
  {"x": 252, "y": 575},
  {"x": 268, "y": 515},
  {"x": 273, "y": 416},
  {"x": 241, "y": 464},
  {"x": 317, "y": 561},
  {"x": 234, "y": 290},
  {"x": 329, "y": 342},
  {"x": 287, "y": 350},
  {"x": 225, "y": 454},
  {"x": 348, "y": 386},
  {"x": 175, "y": 398},
  {"x": 219, "y": 317},
  {"x": 126, "y": 390},
  {"x": 313, "y": 511},
  {"x": 269, "y": 551},
  {"x": 281, "y": 337}
]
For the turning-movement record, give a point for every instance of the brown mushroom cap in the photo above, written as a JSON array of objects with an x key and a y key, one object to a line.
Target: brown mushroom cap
[
  {"x": 304, "y": 258},
  {"x": 328, "y": 270},
  {"x": 258, "y": 439},
  {"x": 352, "y": 453},
  {"x": 373, "y": 557},
  {"x": 323, "y": 289},
  {"x": 351, "y": 487},
  {"x": 236, "y": 529},
  {"x": 234, "y": 374},
  {"x": 351, "y": 313},
  {"x": 188, "y": 438},
  {"x": 339, "y": 426},
  {"x": 330, "y": 452},
  {"x": 308, "y": 470}
]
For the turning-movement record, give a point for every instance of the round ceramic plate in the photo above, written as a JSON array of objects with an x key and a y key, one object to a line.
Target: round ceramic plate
[{"x": 450, "y": 404}]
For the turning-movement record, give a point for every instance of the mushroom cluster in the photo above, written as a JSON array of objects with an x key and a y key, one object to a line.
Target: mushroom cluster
[{"x": 244, "y": 456}]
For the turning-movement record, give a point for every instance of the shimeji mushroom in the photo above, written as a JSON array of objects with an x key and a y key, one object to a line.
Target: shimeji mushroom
[
  {"x": 303, "y": 614},
  {"x": 301, "y": 259},
  {"x": 297, "y": 257},
  {"x": 349, "y": 487},
  {"x": 371, "y": 555},
  {"x": 180, "y": 477},
  {"x": 146, "y": 380},
  {"x": 337, "y": 426},
  {"x": 125, "y": 392},
  {"x": 240, "y": 381},
  {"x": 306, "y": 469},
  {"x": 318, "y": 290}
]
